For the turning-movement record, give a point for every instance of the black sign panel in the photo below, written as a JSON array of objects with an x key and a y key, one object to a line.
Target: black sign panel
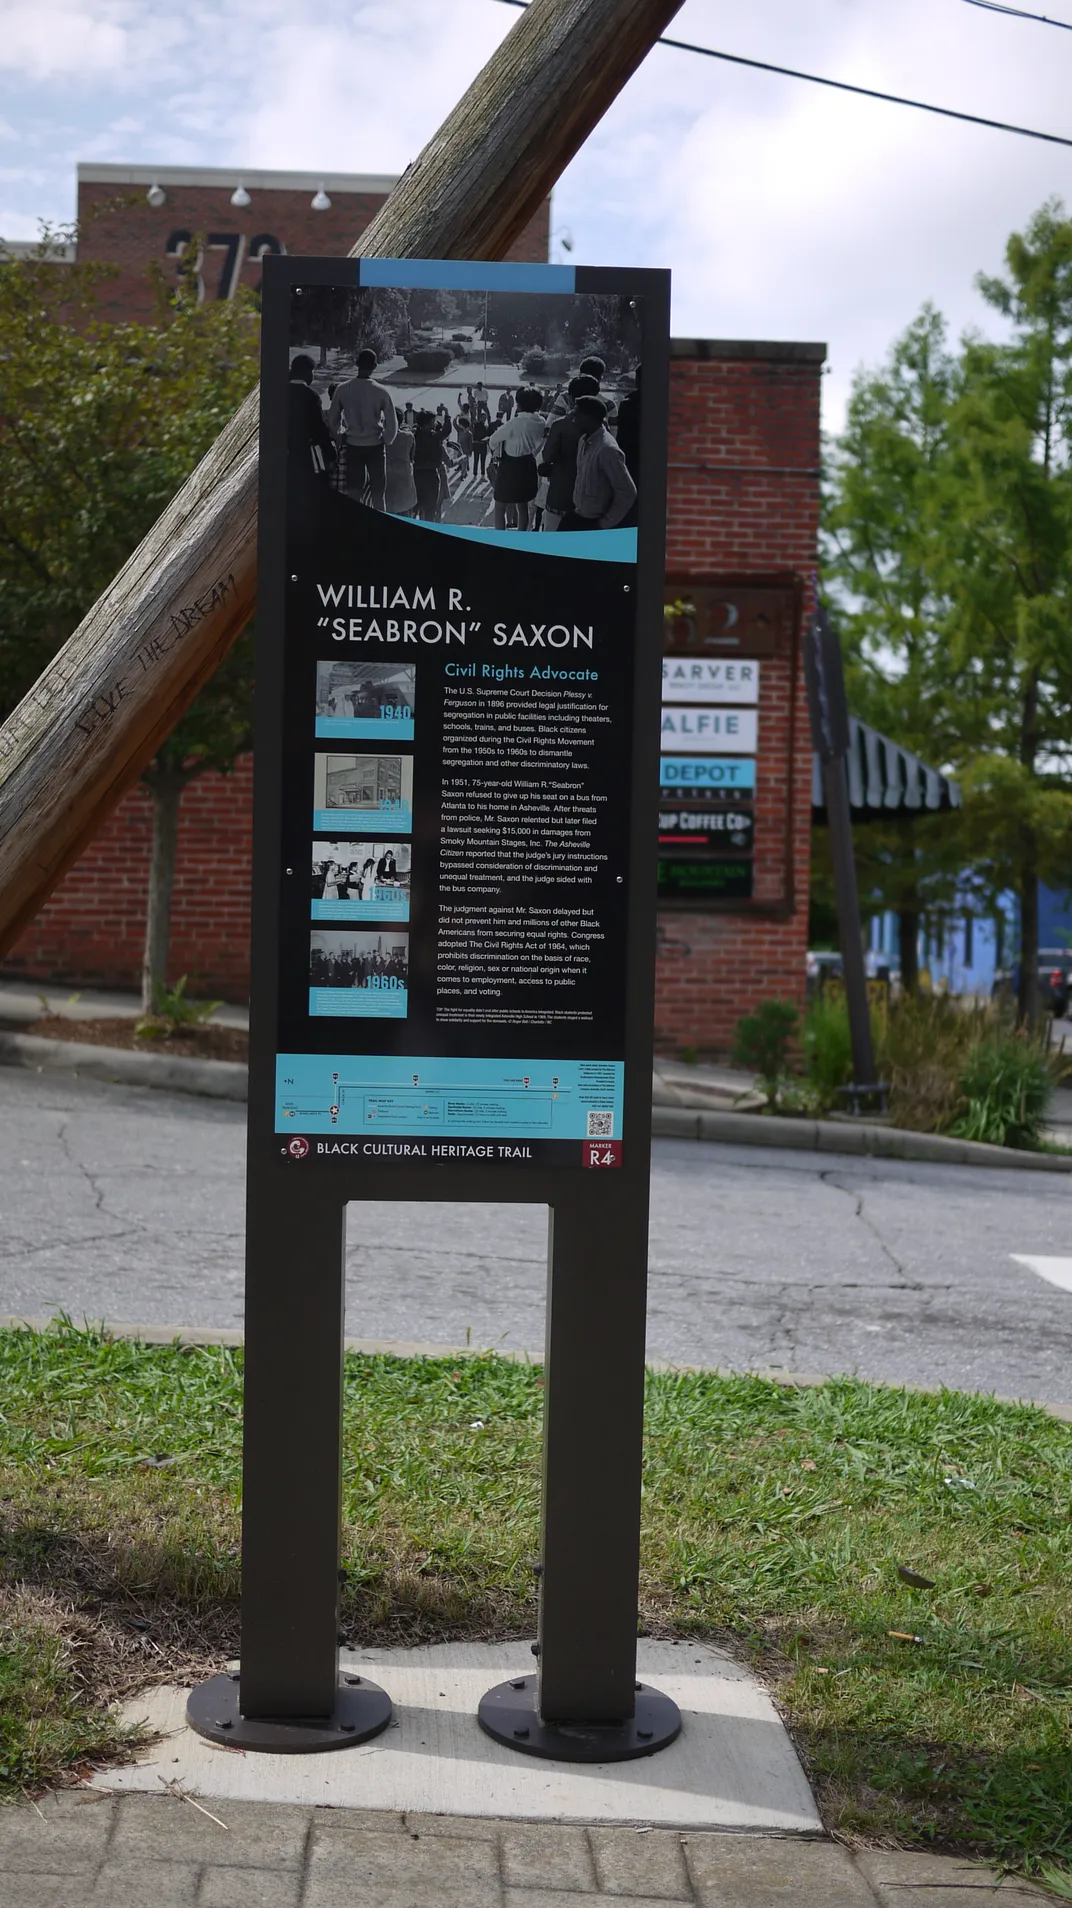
[
  {"x": 704, "y": 880},
  {"x": 462, "y": 712}
]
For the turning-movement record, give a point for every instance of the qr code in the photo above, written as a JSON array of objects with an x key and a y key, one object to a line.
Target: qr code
[{"x": 601, "y": 1125}]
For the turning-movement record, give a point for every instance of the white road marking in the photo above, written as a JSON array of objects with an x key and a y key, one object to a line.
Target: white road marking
[{"x": 1057, "y": 1271}]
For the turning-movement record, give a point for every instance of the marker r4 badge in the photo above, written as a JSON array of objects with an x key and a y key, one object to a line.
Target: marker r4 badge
[
  {"x": 601, "y": 1152},
  {"x": 298, "y": 1148}
]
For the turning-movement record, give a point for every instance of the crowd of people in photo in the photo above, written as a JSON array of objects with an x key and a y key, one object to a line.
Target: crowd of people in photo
[
  {"x": 559, "y": 459},
  {"x": 355, "y": 880},
  {"x": 349, "y": 967}
]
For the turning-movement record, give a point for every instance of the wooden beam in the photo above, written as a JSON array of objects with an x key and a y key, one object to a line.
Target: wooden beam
[{"x": 99, "y": 712}]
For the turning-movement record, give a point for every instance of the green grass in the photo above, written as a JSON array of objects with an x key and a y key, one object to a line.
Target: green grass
[{"x": 774, "y": 1520}]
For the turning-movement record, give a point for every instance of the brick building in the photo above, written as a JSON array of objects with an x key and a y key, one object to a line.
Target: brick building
[
  {"x": 131, "y": 215},
  {"x": 741, "y": 542}
]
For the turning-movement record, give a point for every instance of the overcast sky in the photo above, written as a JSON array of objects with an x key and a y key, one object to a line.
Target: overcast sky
[{"x": 783, "y": 209}]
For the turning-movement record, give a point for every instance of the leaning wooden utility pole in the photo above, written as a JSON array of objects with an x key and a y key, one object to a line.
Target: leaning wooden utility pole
[{"x": 116, "y": 689}]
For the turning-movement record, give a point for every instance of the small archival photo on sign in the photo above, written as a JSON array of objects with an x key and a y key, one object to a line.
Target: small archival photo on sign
[
  {"x": 365, "y": 702},
  {"x": 502, "y": 410},
  {"x": 358, "y": 975},
  {"x": 361, "y": 880},
  {"x": 349, "y": 791}
]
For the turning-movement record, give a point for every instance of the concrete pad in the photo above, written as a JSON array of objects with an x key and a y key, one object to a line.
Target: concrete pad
[{"x": 733, "y": 1766}]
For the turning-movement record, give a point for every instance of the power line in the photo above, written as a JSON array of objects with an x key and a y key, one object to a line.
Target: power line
[
  {"x": 1018, "y": 13},
  {"x": 842, "y": 86}
]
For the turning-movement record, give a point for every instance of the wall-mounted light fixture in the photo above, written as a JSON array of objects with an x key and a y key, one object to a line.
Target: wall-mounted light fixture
[
  {"x": 320, "y": 202},
  {"x": 156, "y": 194},
  {"x": 240, "y": 196}
]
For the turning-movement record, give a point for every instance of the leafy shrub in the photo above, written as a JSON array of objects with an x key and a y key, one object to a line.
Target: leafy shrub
[
  {"x": 827, "y": 1047},
  {"x": 965, "y": 1071},
  {"x": 1006, "y": 1082},
  {"x": 762, "y": 1042},
  {"x": 923, "y": 1050},
  {"x": 534, "y": 363},
  {"x": 172, "y": 1012},
  {"x": 429, "y": 358}
]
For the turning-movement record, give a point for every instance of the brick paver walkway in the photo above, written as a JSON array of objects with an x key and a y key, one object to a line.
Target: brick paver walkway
[{"x": 84, "y": 1849}]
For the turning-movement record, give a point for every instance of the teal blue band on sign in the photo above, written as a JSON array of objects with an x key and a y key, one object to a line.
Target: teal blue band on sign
[
  {"x": 451, "y": 274},
  {"x": 601, "y": 546}
]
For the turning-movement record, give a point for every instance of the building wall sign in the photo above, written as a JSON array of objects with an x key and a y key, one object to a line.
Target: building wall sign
[
  {"x": 696, "y": 731},
  {"x": 692, "y": 679},
  {"x": 744, "y": 619}
]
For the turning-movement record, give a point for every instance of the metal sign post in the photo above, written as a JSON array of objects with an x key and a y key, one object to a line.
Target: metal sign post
[
  {"x": 458, "y": 682},
  {"x": 829, "y": 715}
]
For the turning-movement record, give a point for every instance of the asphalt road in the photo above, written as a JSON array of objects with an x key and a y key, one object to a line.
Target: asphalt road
[{"x": 127, "y": 1204}]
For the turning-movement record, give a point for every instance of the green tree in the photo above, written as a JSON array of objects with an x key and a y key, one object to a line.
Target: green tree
[
  {"x": 884, "y": 476},
  {"x": 1004, "y": 554},
  {"x": 949, "y": 534},
  {"x": 100, "y": 424}
]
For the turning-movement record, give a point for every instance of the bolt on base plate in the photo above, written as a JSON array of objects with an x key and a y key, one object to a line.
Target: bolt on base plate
[
  {"x": 362, "y": 1710},
  {"x": 508, "y": 1712}
]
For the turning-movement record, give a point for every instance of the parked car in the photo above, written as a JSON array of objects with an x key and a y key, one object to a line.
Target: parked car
[
  {"x": 1054, "y": 981},
  {"x": 818, "y": 963}
]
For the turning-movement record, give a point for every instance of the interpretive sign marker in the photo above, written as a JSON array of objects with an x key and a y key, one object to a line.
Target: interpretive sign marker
[{"x": 457, "y": 772}]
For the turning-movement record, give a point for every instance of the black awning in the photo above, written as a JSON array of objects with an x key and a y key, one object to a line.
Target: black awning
[{"x": 885, "y": 779}]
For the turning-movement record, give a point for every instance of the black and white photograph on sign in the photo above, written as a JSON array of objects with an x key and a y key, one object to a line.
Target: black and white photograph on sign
[
  {"x": 506, "y": 410},
  {"x": 365, "y": 701},
  {"x": 350, "y": 789},
  {"x": 361, "y": 975},
  {"x": 361, "y": 880}
]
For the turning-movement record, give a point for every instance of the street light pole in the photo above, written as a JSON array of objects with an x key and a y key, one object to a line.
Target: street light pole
[{"x": 829, "y": 713}]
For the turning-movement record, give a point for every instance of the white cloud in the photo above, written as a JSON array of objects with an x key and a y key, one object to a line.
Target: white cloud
[{"x": 40, "y": 42}]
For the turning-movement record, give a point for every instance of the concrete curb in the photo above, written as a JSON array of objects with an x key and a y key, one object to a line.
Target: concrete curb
[
  {"x": 214, "y": 1079},
  {"x": 843, "y": 1136},
  {"x": 229, "y": 1080},
  {"x": 232, "y": 1336}
]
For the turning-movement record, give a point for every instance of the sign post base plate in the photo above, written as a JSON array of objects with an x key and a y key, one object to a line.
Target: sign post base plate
[
  {"x": 362, "y": 1710},
  {"x": 508, "y": 1713}
]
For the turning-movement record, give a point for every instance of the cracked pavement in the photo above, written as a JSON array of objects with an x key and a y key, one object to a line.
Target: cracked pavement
[{"x": 127, "y": 1204}]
